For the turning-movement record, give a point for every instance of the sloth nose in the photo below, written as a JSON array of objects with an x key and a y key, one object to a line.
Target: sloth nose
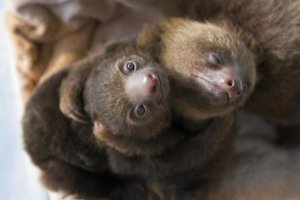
[
  {"x": 233, "y": 88},
  {"x": 144, "y": 85},
  {"x": 150, "y": 84}
]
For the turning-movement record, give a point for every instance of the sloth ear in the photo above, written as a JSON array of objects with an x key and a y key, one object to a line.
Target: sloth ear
[{"x": 71, "y": 101}]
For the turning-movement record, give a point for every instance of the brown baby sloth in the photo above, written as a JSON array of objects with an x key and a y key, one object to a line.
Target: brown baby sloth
[
  {"x": 212, "y": 71},
  {"x": 119, "y": 103},
  {"x": 71, "y": 158}
]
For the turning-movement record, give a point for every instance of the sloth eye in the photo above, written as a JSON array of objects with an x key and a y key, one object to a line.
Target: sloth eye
[
  {"x": 140, "y": 111},
  {"x": 214, "y": 59},
  {"x": 130, "y": 66}
]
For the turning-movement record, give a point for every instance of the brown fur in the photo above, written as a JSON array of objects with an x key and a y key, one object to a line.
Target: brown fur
[{"x": 186, "y": 171}]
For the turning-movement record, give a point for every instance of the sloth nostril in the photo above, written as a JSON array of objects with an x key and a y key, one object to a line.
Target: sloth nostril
[
  {"x": 230, "y": 83},
  {"x": 153, "y": 89},
  {"x": 151, "y": 83},
  {"x": 233, "y": 88}
]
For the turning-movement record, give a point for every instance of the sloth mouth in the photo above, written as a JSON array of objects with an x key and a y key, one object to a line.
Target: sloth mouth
[{"x": 216, "y": 94}]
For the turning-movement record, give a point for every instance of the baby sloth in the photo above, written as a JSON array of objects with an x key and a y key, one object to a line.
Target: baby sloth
[
  {"x": 123, "y": 96},
  {"x": 115, "y": 108},
  {"x": 132, "y": 106},
  {"x": 212, "y": 71}
]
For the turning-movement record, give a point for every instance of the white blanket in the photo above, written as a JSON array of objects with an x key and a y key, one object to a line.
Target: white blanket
[{"x": 52, "y": 34}]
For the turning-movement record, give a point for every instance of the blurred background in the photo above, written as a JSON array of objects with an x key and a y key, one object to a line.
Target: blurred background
[{"x": 18, "y": 178}]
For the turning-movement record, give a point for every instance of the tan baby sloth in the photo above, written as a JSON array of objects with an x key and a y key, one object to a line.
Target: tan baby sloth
[{"x": 268, "y": 29}]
